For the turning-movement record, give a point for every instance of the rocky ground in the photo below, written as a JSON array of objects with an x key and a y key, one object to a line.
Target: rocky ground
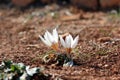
[{"x": 97, "y": 56}]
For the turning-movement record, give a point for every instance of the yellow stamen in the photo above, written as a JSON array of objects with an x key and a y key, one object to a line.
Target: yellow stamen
[
  {"x": 68, "y": 50},
  {"x": 55, "y": 46}
]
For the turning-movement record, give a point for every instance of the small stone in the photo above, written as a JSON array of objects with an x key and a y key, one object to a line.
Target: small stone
[
  {"x": 106, "y": 65},
  {"x": 100, "y": 65},
  {"x": 105, "y": 39}
]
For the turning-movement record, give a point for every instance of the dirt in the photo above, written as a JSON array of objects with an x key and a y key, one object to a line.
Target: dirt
[{"x": 97, "y": 56}]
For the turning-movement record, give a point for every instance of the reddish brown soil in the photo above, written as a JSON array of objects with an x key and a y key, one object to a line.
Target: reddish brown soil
[{"x": 98, "y": 55}]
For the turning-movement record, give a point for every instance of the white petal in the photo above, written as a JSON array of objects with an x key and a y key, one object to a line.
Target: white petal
[
  {"x": 31, "y": 71},
  {"x": 21, "y": 65},
  {"x": 55, "y": 35},
  {"x": 68, "y": 64},
  {"x": 71, "y": 38},
  {"x": 44, "y": 41},
  {"x": 68, "y": 41},
  {"x": 75, "y": 42},
  {"x": 50, "y": 37},
  {"x": 62, "y": 42},
  {"x": 47, "y": 38},
  {"x": 24, "y": 76}
]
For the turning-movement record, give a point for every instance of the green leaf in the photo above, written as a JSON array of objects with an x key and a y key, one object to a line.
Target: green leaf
[
  {"x": 8, "y": 63},
  {"x": 13, "y": 68}
]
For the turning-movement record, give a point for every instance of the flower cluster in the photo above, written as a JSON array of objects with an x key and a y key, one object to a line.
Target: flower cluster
[
  {"x": 18, "y": 71},
  {"x": 52, "y": 39}
]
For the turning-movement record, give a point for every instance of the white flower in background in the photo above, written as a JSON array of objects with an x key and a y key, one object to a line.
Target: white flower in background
[
  {"x": 50, "y": 40},
  {"x": 31, "y": 71},
  {"x": 24, "y": 76},
  {"x": 69, "y": 42}
]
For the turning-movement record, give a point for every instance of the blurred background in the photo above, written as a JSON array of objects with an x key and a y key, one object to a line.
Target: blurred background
[{"x": 84, "y": 4}]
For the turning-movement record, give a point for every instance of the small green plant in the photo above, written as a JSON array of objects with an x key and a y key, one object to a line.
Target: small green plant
[
  {"x": 102, "y": 51},
  {"x": 52, "y": 40},
  {"x": 17, "y": 71}
]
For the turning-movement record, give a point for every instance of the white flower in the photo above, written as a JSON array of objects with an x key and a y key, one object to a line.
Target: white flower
[
  {"x": 24, "y": 76},
  {"x": 69, "y": 42},
  {"x": 50, "y": 40},
  {"x": 21, "y": 65},
  {"x": 31, "y": 71},
  {"x": 70, "y": 64}
]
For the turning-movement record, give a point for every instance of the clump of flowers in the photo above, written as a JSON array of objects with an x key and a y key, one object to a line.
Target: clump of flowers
[
  {"x": 18, "y": 71},
  {"x": 52, "y": 40}
]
